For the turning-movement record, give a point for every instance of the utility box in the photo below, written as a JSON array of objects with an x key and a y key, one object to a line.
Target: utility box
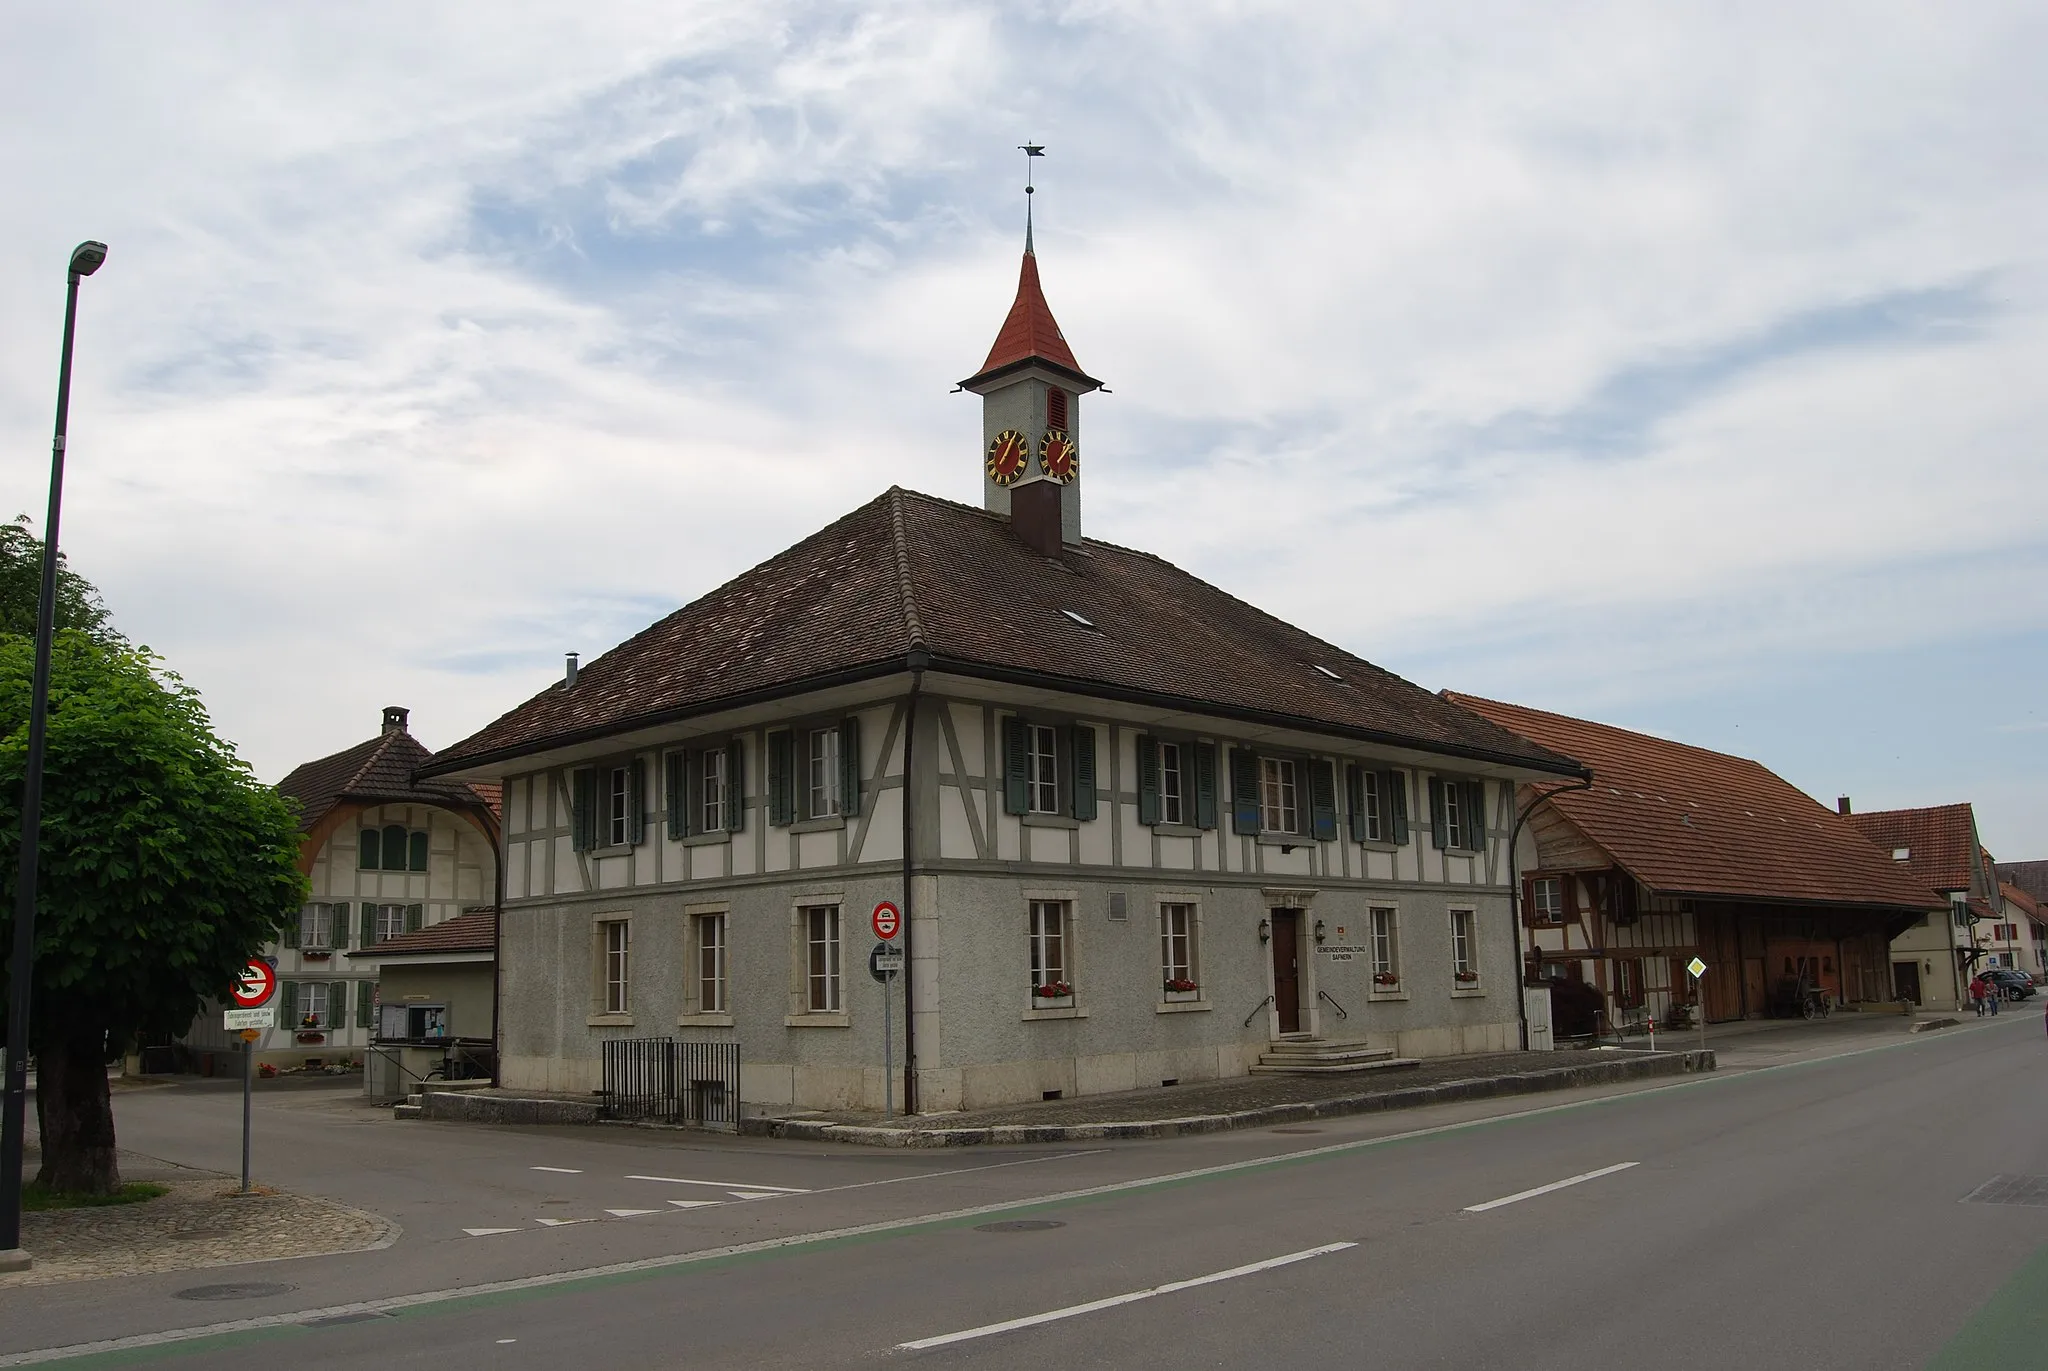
[{"x": 1536, "y": 1005}]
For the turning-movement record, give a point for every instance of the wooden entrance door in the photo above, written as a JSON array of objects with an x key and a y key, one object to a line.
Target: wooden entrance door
[
  {"x": 1287, "y": 968},
  {"x": 1906, "y": 980}
]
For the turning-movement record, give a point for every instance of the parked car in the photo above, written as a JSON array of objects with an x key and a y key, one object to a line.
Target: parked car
[{"x": 2010, "y": 981}]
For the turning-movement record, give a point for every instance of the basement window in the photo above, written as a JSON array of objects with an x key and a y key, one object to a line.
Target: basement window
[{"x": 1081, "y": 619}]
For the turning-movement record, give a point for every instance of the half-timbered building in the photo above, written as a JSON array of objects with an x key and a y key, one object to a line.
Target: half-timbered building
[
  {"x": 1674, "y": 852},
  {"x": 1139, "y": 829}
]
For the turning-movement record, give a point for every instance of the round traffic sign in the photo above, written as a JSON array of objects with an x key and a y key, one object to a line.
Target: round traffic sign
[
  {"x": 888, "y": 921},
  {"x": 885, "y": 962},
  {"x": 254, "y": 985}
]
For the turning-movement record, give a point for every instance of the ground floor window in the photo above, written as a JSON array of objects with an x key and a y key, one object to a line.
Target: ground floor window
[
  {"x": 1386, "y": 950},
  {"x": 1464, "y": 948},
  {"x": 616, "y": 943},
  {"x": 1051, "y": 978},
  {"x": 821, "y": 959},
  {"x": 311, "y": 1004},
  {"x": 1177, "y": 947},
  {"x": 709, "y": 936}
]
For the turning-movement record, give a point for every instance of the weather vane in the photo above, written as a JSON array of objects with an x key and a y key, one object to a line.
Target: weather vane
[{"x": 1030, "y": 150}]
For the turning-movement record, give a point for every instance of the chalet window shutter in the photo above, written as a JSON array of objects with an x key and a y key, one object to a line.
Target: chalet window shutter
[
  {"x": 288, "y": 1004},
  {"x": 1015, "y": 799},
  {"x": 583, "y": 809},
  {"x": 1148, "y": 780},
  {"x": 293, "y": 929},
  {"x": 781, "y": 792},
  {"x": 1322, "y": 799},
  {"x": 849, "y": 767},
  {"x": 366, "y": 849},
  {"x": 1354, "y": 800},
  {"x": 1083, "y": 742},
  {"x": 1439, "y": 821},
  {"x": 415, "y": 917},
  {"x": 735, "y": 786},
  {"x": 417, "y": 850},
  {"x": 636, "y": 802},
  {"x": 1244, "y": 791},
  {"x": 1475, "y": 814},
  {"x": 337, "y": 1005},
  {"x": 1205, "y": 785},
  {"x": 369, "y": 926},
  {"x": 1394, "y": 794},
  {"x": 366, "y": 1004},
  {"x": 675, "y": 787},
  {"x": 337, "y": 920}
]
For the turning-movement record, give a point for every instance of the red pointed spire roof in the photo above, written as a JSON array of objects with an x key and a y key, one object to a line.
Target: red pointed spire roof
[{"x": 1030, "y": 333}]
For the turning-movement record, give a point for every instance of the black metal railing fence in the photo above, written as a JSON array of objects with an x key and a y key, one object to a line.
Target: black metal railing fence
[{"x": 665, "y": 1080}]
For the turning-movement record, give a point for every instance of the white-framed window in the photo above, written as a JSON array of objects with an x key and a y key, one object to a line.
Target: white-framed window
[
  {"x": 1546, "y": 900},
  {"x": 1177, "y": 947},
  {"x": 822, "y": 788},
  {"x": 317, "y": 926},
  {"x": 708, "y": 934},
  {"x": 1372, "y": 806},
  {"x": 711, "y": 791},
  {"x": 1456, "y": 822},
  {"x": 390, "y": 921},
  {"x": 313, "y": 1005},
  {"x": 821, "y": 958},
  {"x": 615, "y": 942},
  {"x": 617, "y": 801},
  {"x": 1279, "y": 795},
  {"x": 1042, "y": 773},
  {"x": 1384, "y": 930},
  {"x": 1050, "y": 974},
  {"x": 1173, "y": 806},
  {"x": 1464, "y": 948}
]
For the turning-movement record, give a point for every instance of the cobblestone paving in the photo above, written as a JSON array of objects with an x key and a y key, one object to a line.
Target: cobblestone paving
[
  {"x": 200, "y": 1223},
  {"x": 1228, "y": 1096}
]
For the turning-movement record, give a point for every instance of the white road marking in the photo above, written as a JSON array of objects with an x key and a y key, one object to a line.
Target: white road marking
[
  {"x": 752, "y": 1195},
  {"x": 696, "y": 1204},
  {"x": 630, "y": 1213},
  {"x": 487, "y": 1232},
  {"x": 558, "y": 1170},
  {"x": 1009, "y": 1325},
  {"x": 723, "y": 1185},
  {"x": 1546, "y": 1189},
  {"x": 960, "y": 1171},
  {"x": 559, "y": 1223}
]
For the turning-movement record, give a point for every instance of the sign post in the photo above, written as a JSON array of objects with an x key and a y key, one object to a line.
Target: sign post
[
  {"x": 1698, "y": 969},
  {"x": 883, "y": 964},
  {"x": 255, "y": 987}
]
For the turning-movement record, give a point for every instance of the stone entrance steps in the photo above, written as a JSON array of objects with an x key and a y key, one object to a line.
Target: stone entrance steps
[{"x": 1305, "y": 1056}]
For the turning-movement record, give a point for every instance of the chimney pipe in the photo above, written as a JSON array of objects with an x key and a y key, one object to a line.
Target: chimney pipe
[
  {"x": 394, "y": 718},
  {"x": 569, "y": 674},
  {"x": 1842, "y": 805},
  {"x": 1035, "y": 514}
]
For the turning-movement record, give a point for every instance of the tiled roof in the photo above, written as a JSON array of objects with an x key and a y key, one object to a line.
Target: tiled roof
[
  {"x": 1029, "y": 331},
  {"x": 2020, "y": 899},
  {"x": 1940, "y": 842},
  {"x": 476, "y": 931},
  {"x": 1686, "y": 820},
  {"x": 379, "y": 771},
  {"x": 2031, "y": 877},
  {"x": 909, "y": 572}
]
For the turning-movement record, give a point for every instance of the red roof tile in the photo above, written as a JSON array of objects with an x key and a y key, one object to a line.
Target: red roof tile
[
  {"x": 1029, "y": 331},
  {"x": 908, "y": 571},
  {"x": 476, "y": 931},
  {"x": 379, "y": 771},
  {"x": 2020, "y": 899},
  {"x": 1684, "y": 820},
  {"x": 1940, "y": 841}
]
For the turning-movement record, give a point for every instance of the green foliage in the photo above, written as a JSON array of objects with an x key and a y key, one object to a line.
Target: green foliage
[
  {"x": 164, "y": 863},
  {"x": 21, "y": 588},
  {"x": 35, "y": 1196}
]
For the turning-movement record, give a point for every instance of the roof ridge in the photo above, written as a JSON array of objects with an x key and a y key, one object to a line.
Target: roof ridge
[
  {"x": 911, "y": 622},
  {"x": 1468, "y": 699}
]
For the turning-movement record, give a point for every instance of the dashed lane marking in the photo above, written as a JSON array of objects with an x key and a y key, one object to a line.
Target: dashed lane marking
[
  {"x": 696, "y": 1204},
  {"x": 1579, "y": 1179},
  {"x": 732, "y": 1186},
  {"x": 487, "y": 1232},
  {"x": 561, "y": 1223},
  {"x": 558, "y": 1170},
  {"x": 630, "y": 1213}
]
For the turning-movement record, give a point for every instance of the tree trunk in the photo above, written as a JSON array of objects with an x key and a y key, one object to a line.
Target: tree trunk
[{"x": 75, "y": 1116}]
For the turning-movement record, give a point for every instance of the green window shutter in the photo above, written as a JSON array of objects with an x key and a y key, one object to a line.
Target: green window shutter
[
  {"x": 1244, "y": 790},
  {"x": 366, "y": 1004},
  {"x": 1439, "y": 822},
  {"x": 1394, "y": 795},
  {"x": 337, "y": 918},
  {"x": 366, "y": 850},
  {"x": 291, "y": 930},
  {"x": 1148, "y": 780},
  {"x": 1015, "y": 801},
  {"x": 1205, "y": 785},
  {"x": 1322, "y": 800},
  {"x": 1354, "y": 800},
  {"x": 583, "y": 809},
  {"x": 337, "y": 1005},
  {"x": 416, "y": 855},
  {"x": 781, "y": 778},
  {"x": 415, "y": 917},
  {"x": 1475, "y": 815},
  {"x": 849, "y": 767},
  {"x": 368, "y": 927},
  {"x": 288, "y": 1004},
  {"x": 636, "y": 802},
  {"x": 675, "y": 790},
  {"x": 394, "y": 847},
  {"x": 735, "y": 786},
  {"x": 1083, "y": 746}
]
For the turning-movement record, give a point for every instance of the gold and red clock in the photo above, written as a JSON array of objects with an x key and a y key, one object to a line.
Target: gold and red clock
[
  {"x": 1009, "y": 453},
  {"x": 1058, "y": 456}
]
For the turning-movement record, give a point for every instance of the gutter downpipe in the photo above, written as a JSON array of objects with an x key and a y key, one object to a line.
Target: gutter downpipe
[
  {"x": 497, "y": 942},
  {"x": 918, "y": 660},
  {"x": 1515, "y": 897}
]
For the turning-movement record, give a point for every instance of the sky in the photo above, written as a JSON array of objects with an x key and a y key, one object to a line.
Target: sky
[{"x": 1678, "y": 366}]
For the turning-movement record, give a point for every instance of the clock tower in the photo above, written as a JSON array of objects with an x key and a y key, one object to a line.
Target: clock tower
[{"x": 1031, "y": 389}]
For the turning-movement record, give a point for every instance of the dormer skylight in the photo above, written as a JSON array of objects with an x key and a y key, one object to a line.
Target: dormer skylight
[
  {"x": 1900, "y": 854},
  {"x": 1081, "y": 619}
]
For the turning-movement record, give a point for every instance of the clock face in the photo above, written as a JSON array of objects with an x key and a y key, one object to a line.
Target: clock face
[
  {"x": 1009, "y": 452},
  {"x": 1058, "y": 457}
]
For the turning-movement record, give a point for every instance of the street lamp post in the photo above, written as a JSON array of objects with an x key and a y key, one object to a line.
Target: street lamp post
[{"x": 85, "y": 260}]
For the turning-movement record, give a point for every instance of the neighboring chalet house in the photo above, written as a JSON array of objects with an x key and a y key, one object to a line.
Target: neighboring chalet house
[
  {"x": 386, "y": 855},
  {"x": 437, "y": 1011},
  {"x": 2016, "y": 940},
  {"x": 1933, "y": 960},
  {"x": 1139, "y": 829},
  {"x": 1676, "y": 852},
  {"x": 2029, "y": 879}
]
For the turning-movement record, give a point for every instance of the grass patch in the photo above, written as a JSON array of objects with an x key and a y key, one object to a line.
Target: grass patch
[{"x": 135, "y": 1192}]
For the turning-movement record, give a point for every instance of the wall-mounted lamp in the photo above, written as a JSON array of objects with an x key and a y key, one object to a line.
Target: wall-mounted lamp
[
  {"x": 1319, "y": 930},
  {"x": 1928, "y": 967},
  {"x": 1265, "y": 931}
]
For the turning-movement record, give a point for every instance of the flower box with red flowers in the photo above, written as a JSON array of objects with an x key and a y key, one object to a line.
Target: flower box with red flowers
[
  {"x": 1181, "y": 985},
  {"x": 1385, "y": 978},
  {"x": 1054, "y": 990},
  {"x": 1467, "y": 977}
]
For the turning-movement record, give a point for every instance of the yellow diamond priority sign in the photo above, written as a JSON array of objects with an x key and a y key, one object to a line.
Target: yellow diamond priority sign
[{"x": 1697, "y": 967}]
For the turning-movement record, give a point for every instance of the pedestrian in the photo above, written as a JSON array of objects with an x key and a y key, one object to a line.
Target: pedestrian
[
  {"x": 1993, "y": 994},
  {"x": 1977, "y": 989}
]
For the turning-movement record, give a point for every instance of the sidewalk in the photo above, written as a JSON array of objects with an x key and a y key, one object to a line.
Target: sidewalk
[{"x": 1240, "y": 1101}]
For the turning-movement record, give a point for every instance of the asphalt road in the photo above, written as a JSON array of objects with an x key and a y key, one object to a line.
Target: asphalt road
[{"x": 1811, "y": 1216}]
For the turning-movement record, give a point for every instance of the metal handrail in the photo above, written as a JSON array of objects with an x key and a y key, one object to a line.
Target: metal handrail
[
  {"x": 1342, "y": 1013},
  {"x": 1255, "y": 1010}
]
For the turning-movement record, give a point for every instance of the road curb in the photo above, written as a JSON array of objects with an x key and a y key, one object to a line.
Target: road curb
[{"x": 1642, "y": 1067}]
